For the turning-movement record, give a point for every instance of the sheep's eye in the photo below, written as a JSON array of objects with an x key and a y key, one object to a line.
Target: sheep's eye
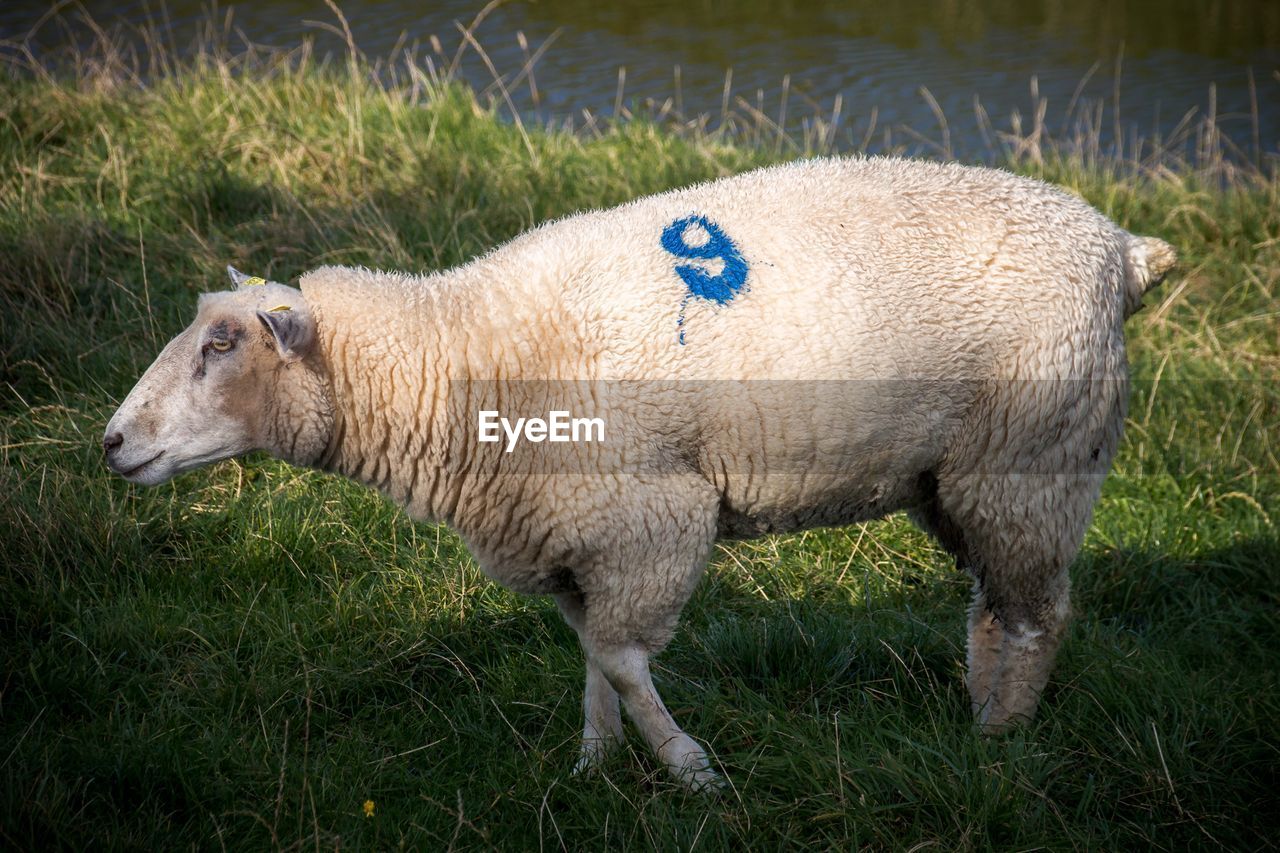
[{"x": 220, "y": 344}]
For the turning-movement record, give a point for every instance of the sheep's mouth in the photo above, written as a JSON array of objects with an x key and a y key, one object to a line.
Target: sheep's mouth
[{"x": 132, "y": 472}]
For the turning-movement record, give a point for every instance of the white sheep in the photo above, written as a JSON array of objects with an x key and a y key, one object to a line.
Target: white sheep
[{"x": 818, "y": 343}]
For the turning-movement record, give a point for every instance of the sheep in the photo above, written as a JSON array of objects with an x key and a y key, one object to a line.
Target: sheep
[{"x": 817, "y": 343}]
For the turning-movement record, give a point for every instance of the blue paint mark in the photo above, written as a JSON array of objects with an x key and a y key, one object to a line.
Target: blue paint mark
[
  {"x": 680, "y": 320},
  {"x": 720, "y": 288}
]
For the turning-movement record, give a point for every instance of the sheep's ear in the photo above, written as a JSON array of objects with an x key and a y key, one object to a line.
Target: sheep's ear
[
  {"x": 293, "y": 330},
  {"x": 239, "y": 279}
]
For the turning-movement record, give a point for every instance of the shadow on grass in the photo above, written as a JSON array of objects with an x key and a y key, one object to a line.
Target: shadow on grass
[{"x": 183, "y": 706}]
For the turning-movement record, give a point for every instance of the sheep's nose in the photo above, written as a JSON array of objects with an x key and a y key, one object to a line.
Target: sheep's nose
[{"x": 111, "y": 441}]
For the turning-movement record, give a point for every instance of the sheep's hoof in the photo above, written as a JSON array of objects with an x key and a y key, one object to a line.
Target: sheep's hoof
[
  {"x": 700, "y": 781},
  {"x": 688, "y": 762},
  {"x": 586, "y": 763},
  {"x": 995, "y": 720},
  {"x": 592, "y": 755}
]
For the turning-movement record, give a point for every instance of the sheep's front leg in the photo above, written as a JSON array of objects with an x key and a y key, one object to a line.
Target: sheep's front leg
[
  {"x": 602, "y": 729},
  {"x": 602, "y": 719},
  {"x": 633, "y": 594},
  {"x": 627, "y": 668}
]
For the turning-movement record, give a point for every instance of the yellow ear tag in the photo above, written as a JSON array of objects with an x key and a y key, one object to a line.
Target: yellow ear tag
[
  {"x": 281, "y": 308},
  {"x": 253, "y": 281}
]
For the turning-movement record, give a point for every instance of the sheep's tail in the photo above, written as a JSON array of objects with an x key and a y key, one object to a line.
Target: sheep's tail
[{"x": 1147, "y": 262}]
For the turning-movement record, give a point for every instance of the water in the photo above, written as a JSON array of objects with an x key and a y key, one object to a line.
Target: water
[{"x": 1172, "y": 56}]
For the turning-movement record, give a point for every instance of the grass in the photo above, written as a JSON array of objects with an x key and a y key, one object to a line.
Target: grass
[{"x": 242, "y": 658}]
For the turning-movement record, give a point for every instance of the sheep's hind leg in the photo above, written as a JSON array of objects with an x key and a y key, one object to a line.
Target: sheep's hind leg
[
  {"x": 1033, "y": 631},
  {"x": 986, "y": 642},
  {"x": 602, "y": 719},
  {"x": 1017, "y": 537},
  {"x": 1018, "y": 617},
  {"x": 1022, "y": 505}
]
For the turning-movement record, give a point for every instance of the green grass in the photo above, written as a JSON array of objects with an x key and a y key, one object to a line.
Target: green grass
[{"x": 241, "y": 658}]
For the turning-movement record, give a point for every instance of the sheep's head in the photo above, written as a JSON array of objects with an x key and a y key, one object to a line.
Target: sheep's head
[{"x": 244, "y": 376}]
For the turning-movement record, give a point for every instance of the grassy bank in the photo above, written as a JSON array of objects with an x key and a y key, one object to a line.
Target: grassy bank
[{"x": 245, "y": 656}]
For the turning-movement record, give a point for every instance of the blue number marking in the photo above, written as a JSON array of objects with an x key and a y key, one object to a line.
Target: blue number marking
[{"x": 720, "y": 288}]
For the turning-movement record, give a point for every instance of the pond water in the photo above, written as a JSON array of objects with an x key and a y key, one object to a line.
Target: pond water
[{"x": 1219, "y": 57}]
